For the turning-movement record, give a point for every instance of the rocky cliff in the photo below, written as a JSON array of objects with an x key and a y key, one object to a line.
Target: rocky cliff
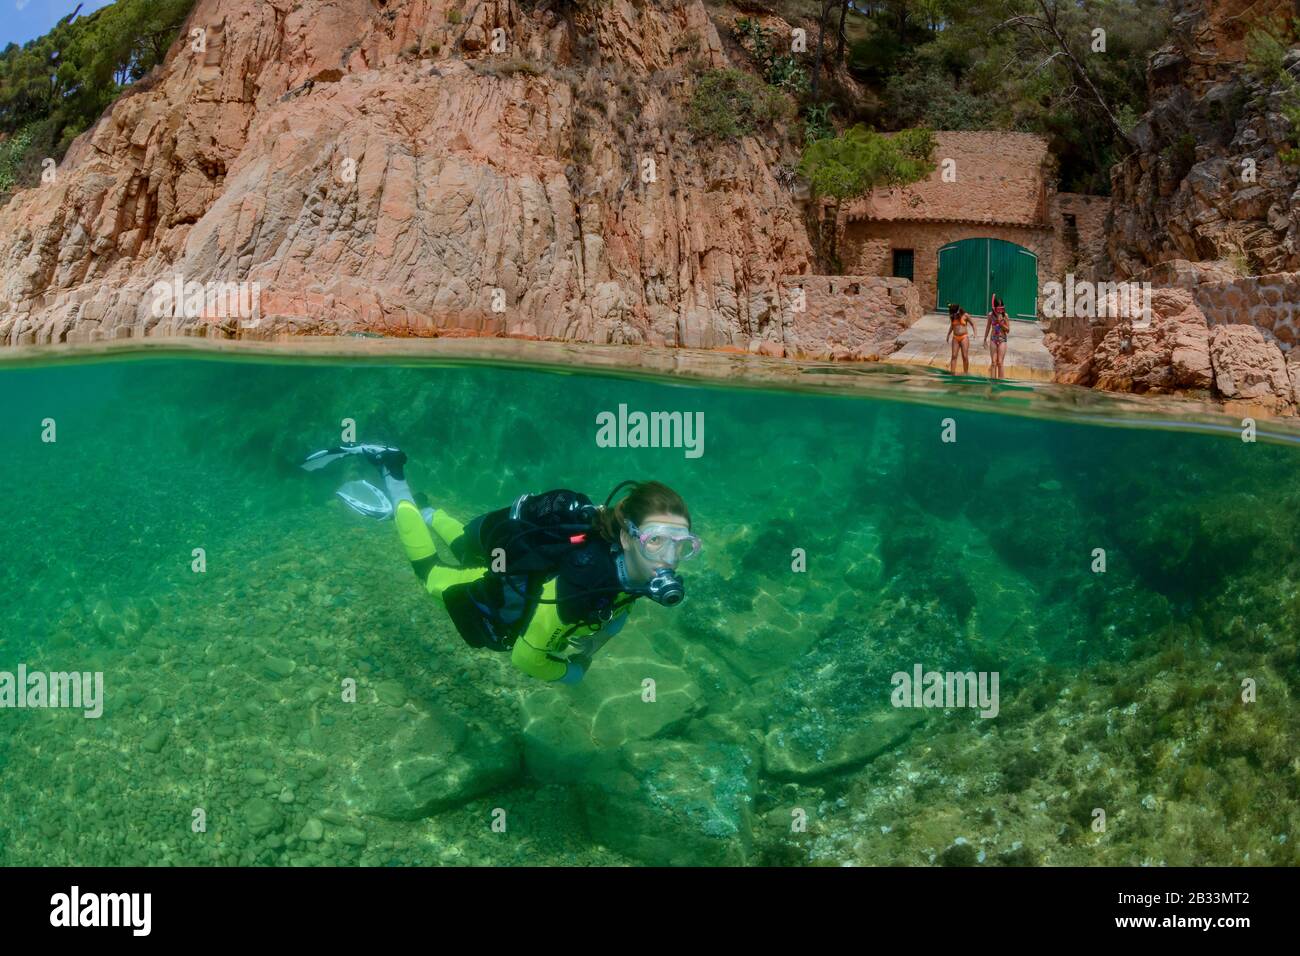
[
  {"x": 1209, "y": 204},
  {"x": 483, "y": 166},
  {"x": 1208, "y": 180}
]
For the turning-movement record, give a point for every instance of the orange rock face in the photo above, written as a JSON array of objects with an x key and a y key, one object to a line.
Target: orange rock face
[
  {"x": 1247, "y": 367},
  {"x": 1172, "y": 354},
  {"x": 1180, "y": 352},
  {"x": 379, "y": 167}
]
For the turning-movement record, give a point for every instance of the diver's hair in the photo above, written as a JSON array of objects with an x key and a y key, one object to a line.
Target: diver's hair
[
  {"x": 646, "y": 498},
  {"x": 953, "y": 309},
  {"x": 997, "y": 300}
]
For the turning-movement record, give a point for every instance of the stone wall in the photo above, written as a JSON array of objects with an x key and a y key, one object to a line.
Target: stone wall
[
  {"x": 1078, "y": 252},
  {"x": 846, "y": 317},
  {"x": 861, "y": 251},
  {"x": 1270, "y": 303},
  {"x": 871, "y": 257},
  {"x": 1000, "y": 177}
]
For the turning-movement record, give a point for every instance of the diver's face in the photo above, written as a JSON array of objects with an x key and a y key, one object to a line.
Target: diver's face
[{"x": 640, "y": 568}]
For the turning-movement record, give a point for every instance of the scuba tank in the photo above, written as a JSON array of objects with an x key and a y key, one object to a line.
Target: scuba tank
[
  {"x": 532, "y": 535},
  {"x": 526, "y": 544}
]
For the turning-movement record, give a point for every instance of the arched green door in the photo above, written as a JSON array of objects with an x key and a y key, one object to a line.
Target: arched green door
[{"x": 971, "y": 270}]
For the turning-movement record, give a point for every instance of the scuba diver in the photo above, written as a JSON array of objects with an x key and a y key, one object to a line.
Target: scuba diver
[{"x": 551, "y": 578}]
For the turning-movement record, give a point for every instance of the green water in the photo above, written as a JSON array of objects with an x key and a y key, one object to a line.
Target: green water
[{"x": 771, "y": 739}]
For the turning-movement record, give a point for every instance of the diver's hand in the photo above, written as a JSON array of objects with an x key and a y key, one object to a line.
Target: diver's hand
[{"x": 575, "y": 669}]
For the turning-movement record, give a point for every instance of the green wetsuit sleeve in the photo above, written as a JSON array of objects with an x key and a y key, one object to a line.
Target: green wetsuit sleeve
[{"x": 533, "y": 649}]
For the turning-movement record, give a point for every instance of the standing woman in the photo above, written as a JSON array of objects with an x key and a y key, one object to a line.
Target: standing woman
[
  {"x": 960, "y": 325},
  {"x": 1000, "y": 326}
]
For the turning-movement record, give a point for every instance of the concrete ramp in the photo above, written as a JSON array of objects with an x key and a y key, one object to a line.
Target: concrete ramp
[{"x": 923, "y": 344}]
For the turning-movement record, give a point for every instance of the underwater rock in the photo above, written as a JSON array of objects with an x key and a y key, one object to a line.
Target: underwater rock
[
  {"x": 767, "y": 648},
  {"x": 420, "y": 766},
  {"x": 391, "y": 692},
  {"x": 669, "y": 802},
  {"x": 261, "y": 816},
  {"x": 107, "y": 621},
  {"x": 807, "y": 752},
  {"x": 277, "y": 668},
  {"x": 154, "y": 740},
  {"x": 352, "y": 837},
  {"x": 961, "y": 853},
  {"x": 566, "y": 729},
  {"x": 312, "y": 831}
]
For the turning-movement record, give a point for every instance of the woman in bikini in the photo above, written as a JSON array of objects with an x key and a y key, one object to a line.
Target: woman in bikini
[
  {"x": 960, "y": 325},
  {"x": 1000, "y": 326}
]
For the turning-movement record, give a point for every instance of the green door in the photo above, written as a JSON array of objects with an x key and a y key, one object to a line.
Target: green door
[
  {"x": 1013, "y": 275},
  {"x": 971, "y": 270},
  {"x": 963, "y": 267}
]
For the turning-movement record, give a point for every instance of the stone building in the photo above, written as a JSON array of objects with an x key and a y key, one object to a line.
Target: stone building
[{"x": 988, "y": 219}]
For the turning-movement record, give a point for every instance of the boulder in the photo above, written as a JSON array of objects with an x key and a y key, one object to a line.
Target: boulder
[
  {"x": 673, "y": 803},
  {"x": 426, "y": 763},
  {"x": 805, "y": 749},
  {"x": 262, "y": 816},
  {"x": 1172, "y": 353},
  {"x": 566, "y": 728},
  {"x": 1249, "y": 368}
]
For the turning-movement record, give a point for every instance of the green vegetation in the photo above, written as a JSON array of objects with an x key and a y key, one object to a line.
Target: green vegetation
[
  {"x": 783, "y": 72},
  {"x": 729, "y": 104},
  {"x": 12, "y": 151},
  {"x": 54, "y": 87},
  {"x": 1266, "y": 49},
  {"x": 859, "y": 160},
  {"x": 1024, "y": 65},
  {"x": 817, "y": 122}
]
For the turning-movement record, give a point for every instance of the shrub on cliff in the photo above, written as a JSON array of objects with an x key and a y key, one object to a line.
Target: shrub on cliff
[
  {"x": 729, "y": 104},
  {"x": 1266, "y": 52},
  {"x": 783, "y": 72},
  {"x": 859, "y": 160},
  {"x": 11, "y": 154}
]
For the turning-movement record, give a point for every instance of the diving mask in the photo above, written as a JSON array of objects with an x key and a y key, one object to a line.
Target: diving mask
[{"x": 665, "y": 542}]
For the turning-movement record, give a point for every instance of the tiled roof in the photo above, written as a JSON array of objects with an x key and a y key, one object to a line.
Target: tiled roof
[{"x": 1001, "y": 179}]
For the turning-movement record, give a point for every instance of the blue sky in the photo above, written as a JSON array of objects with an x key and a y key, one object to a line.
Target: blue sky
[{"x": 23, "y": 20}]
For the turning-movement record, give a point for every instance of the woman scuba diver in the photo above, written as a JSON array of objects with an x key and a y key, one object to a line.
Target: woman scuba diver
[{"x": 552, "y": 577}]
